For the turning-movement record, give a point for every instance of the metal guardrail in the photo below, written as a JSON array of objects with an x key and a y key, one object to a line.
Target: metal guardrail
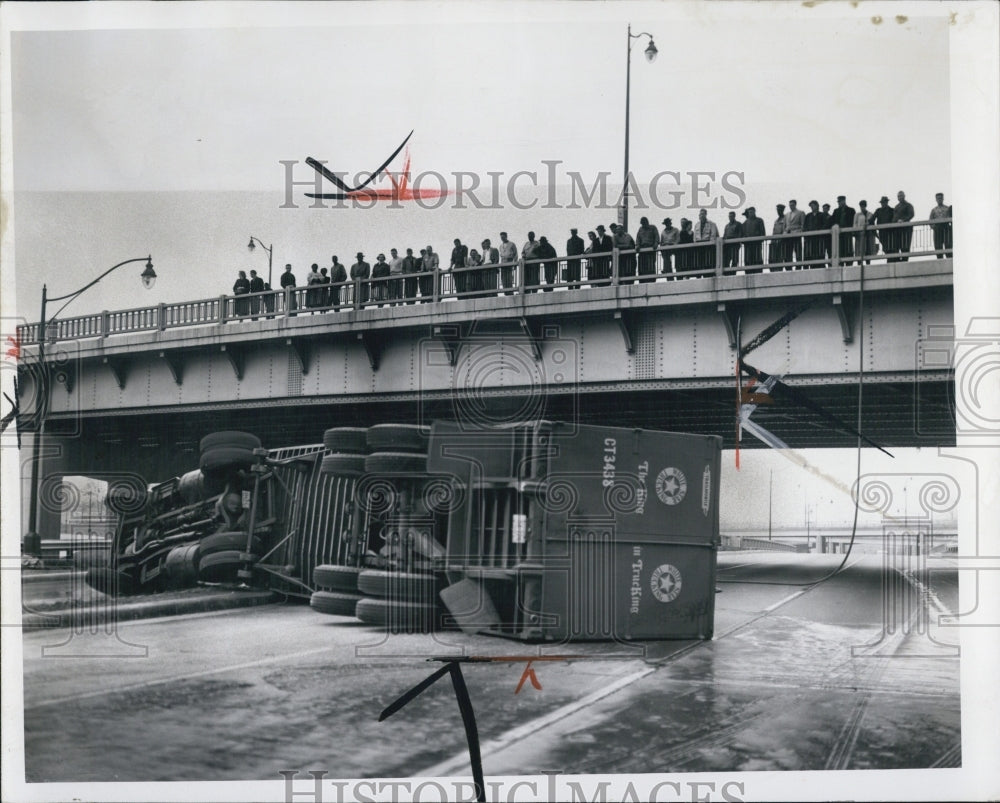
[{"x": 813, "y": 250}]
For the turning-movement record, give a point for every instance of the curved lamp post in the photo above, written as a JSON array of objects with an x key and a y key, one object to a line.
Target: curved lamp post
[
  {"x": 650, "y": 54},
  {"x": 270, "y": 254},
  {"x": 148, "y": 277}
]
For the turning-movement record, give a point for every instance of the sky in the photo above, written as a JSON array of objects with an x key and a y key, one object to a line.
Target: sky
[{"x": 169, "y": 142}]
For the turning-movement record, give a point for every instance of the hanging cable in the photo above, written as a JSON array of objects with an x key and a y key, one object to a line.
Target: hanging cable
[{"x": 860, "y": 437}]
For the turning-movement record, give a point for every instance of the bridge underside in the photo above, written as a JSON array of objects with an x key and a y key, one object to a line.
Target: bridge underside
[{"x": 894, "y": 414}]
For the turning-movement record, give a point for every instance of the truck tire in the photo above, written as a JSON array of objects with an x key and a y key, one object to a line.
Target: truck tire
[
  {"x": 181, "y": 566},
  {"x": 108, "y": 581},
  {"x": 398, "y": 617},
  {"x": 346, "y": 440},
  {"x": 334, "y": 602},
  {"x": 396, "y": 463},
  {"x": 240, "y": 440},
  {"x": 398, "y": 438},
  {"x": 225, "y": 457},
  {"x": 328, "y": 577},
  {"x": 221, "y": 567},
  {"x": 227, "y": 541},
  {"x": 343, "y": 464},
  {"x": 407, "y": 586}
]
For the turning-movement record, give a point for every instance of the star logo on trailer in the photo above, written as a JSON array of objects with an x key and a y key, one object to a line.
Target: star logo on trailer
[
  {"x": 671, "y": 486},
  {"x": 665, "y": 582}
]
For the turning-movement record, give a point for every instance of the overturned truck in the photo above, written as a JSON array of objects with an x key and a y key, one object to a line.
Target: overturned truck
[{"x": 536, "y": 531}]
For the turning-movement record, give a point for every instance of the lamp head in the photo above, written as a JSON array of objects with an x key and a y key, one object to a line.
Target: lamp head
[
  {"x": 148, "y": 275},
  {"x": 651, "y": 51},
  {"x": 250, "y": 245}
]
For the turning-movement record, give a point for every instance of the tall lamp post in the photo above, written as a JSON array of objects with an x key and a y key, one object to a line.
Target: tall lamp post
[
  {"x": 650, "y": 53},
  {"x": 270, "y": 254},
  {"x": 148, "y": 277}
]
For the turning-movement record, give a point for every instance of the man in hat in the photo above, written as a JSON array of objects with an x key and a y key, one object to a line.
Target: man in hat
[
  {"x": 607, "y": 245},
  {"x": 668, "y": 238},
  {"x": 361, "y": 271},
  {"x": 777, "y": 252},
  {"x": 731, "y": 252},
  {"x": 942, "y": 231},
  {"x": 753, "y": 253},
  {"x": 887, "y": 237},
  {"x": 411, "y": 265},
  {"x": 646, "y": 240},
  {"x": 843, "y": 217},
  {"x": 795, "y": 222},
  {"x": 574, "y": 248},
  {"x": 705, "y": 232},
  {"x": 903, "y": 213},
  {"x": 380, "y": 270},
  {"x": 508, "y": 258},
  {"x": 488, "y": 275},
  {"x": 814, "y": 222}
]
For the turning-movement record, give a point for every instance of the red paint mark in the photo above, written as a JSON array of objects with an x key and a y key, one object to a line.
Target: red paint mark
[
  {"x": 528, "y": 674},
  {"x": 15, "y": 348}
]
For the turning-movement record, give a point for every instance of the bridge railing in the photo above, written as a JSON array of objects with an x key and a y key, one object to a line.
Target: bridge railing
[{"x": 896, "y": 242}]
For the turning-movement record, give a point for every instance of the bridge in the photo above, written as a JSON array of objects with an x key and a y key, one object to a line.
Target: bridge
[{"x": 135, "y": 389}]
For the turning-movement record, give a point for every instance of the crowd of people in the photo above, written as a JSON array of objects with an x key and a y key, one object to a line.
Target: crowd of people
[{"x": 804, "y": 239}]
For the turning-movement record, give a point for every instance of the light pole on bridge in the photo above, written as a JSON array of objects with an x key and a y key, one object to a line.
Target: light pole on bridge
[
  {"x": 148, "y": 277},
  {"x": 650, "y": 53},
  {"x": 254, "y": 241}
]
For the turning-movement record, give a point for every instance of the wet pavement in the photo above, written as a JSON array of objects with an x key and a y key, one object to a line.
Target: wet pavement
[{"x": 847, "y": 674}]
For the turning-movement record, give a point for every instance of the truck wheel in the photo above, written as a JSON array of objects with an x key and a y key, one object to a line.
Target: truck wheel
[
  {"x": 335, "y": 603},
  {"x": 240, "y": 440},
  {"x": 398, "y": 585},
  {"x": 346, "y": 440},
  {"x": 398, "y": 438},
  {"x": 398, "y": 617},
  {"x": 395, "y": 463},
  {"x": 181, "y": 566},
  {"x": 342, "y": 463},
  {"x": 108, "y": 581},
  {"x": 222, "y": 542},
  {"x": 221, "y": 567},
  {"x": 336, "y": 578},
  {"x": 225, "y": 457}
]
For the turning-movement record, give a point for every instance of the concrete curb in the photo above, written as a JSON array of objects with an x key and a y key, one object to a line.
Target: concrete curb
[
  {"x": 41, "y": 575},
  {"x": 84, "y": 616}
]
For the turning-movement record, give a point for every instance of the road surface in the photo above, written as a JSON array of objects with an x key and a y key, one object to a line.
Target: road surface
[{"x": 848, "y": 674}]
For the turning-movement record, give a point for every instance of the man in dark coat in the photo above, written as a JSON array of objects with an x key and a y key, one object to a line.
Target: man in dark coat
[
  {"x": 410, "y": 282},
  {"x": 646, "y": 240},
  {"x": 288, "y": 283},
  {"x": 843, "y": 216},
  {"x": 814, "y": 248},
  {"x": 753, "y": 253},
  {"x": 574, "y": 248},
  {"x": 362, "y": 271},
  {"x": 459, "y": 255},
  {"x": 338, "y": 274},
  {"x": 903, "y": 213},
  {"x": 256, "y": 286},
  {"x": 607, "y": 245},
  {"x": 551, "y": 265},
  {"x": 240, "y": 288}
]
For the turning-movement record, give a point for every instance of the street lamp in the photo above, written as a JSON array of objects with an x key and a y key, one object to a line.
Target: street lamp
[
  {"x": 270, "y": 255},
  {"x": 650, "y": 53},
  {"x": 148, "y": 278}
]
